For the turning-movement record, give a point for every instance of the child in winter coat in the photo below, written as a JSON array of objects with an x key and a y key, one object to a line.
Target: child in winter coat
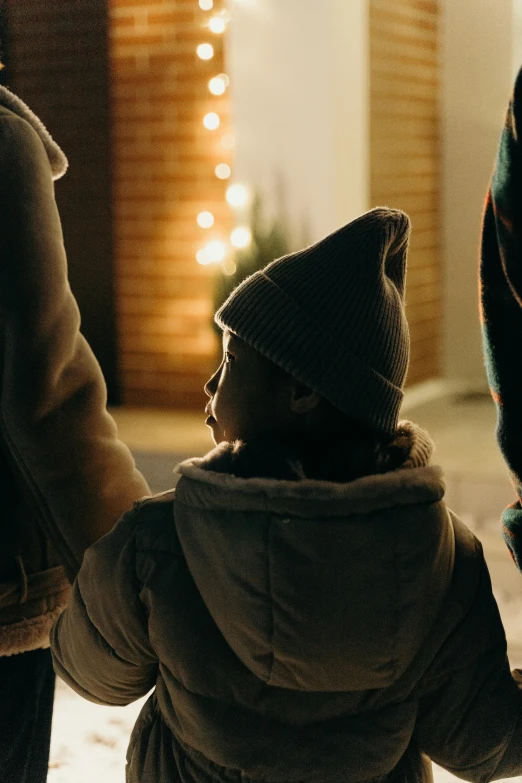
[{"x": 303, "y": 605}]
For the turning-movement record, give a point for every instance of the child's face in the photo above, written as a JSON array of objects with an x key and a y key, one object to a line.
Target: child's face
[{"x": 249, "y": 395}]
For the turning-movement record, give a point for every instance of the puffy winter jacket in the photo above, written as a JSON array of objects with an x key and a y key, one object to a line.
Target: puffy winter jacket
[{"x": 296, "y": 632}]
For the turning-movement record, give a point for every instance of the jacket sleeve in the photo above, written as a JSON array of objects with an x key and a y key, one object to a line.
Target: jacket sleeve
[
  {"x": 470, "y": 707},
  {"x": 55, "y": 430},
  {"x": 501, "y": 306},
  {"x": 100, "y": 643}
]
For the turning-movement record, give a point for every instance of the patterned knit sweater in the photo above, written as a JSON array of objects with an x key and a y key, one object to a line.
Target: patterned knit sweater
[{"x": 501, "y": 306}]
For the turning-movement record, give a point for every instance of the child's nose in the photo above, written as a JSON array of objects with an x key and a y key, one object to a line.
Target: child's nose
[{"x": 211, "y": 385}]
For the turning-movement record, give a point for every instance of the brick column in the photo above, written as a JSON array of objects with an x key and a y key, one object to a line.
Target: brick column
[{"x": 163, "y": 175}]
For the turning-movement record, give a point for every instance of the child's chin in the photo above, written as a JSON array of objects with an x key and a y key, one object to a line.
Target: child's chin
[{"x": 217, "y": 435}]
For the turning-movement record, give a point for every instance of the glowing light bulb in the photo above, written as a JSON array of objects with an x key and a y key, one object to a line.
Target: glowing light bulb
[
  {"x": 223, "y": 171},
  {"x": 205, "y": 51},
  {"x": 237, "y": 195},
  {"x": 216, "y": 251},
  {"x": 202, "y": 257},
  {"x": 241, "y": 237},
  {"x": 205, "y": 219},
  {"x": 217, "y": 24},
  {"x": 217, "y": 85},
  {"x": 211, "y": 120},
  {"x": 228, "y": 267},
  {"x": 206, "y": 5}
]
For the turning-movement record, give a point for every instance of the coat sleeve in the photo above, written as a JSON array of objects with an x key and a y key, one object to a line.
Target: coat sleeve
[
  {"x": 100, "y": 643},
  {"x": 55, "y": 430},
  {"x": 501, "y": 306},
  {"x": 470, "y": 707}
]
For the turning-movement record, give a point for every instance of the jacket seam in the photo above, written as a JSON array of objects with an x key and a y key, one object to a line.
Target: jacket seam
[
  {"x": 399, "y": 588},
  {"x": 271, "y": 619}
]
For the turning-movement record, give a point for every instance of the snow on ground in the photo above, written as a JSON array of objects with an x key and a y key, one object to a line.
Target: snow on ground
[{"x": 89, "y": 742}]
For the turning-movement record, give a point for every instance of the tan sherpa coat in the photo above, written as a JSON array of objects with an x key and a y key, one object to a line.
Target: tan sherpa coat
[
  {"x": 65, "y": 478},
  {"x": 296, "y": 631}
]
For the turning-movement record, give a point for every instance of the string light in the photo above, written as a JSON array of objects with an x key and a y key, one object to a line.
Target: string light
[
  {"x": 223, "y": 171},
  {"x": 205, "y": 51},
  {"x": 217, "y": 251},
  {"x": 228, "y": 266},
  {"x": 217, "y": 25},
  {"x": 202, "y": 257},
  {"x": 213, "y": 253},
  {"x": 211, "y": 120},
  {"x": 237, "y": 195},
  {"x": 241, "y": 237},
  {"x": 217, "y": 85},
  {"x": 205, "y": 219}
]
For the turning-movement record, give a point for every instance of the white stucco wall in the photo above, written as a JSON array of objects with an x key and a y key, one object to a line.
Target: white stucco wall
[
  {"x": 516, "y": 38},
  {"x": 299, "y": 85},
  {"x": 300, "y": 94},
  {"x": 478, "y": 45}
]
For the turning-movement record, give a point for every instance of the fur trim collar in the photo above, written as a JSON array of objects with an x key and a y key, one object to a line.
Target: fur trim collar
[
  {"x": 30, "y": 634},
  {"x": 219, "y": 484},
  {"x": 265, "y": 458},
  {"x": 57, "y": 159}
]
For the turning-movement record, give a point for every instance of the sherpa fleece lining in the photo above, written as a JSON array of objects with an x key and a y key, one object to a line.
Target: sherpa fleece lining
[
  {"x": 30, "y": 634},
  {"x": 415, "y": 481},
  {"x": 412, "y": 485},
  {"x": 57, "y": 159}
]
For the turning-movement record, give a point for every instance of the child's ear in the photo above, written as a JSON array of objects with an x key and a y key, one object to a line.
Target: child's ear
[{"x": 303, "y": 399}]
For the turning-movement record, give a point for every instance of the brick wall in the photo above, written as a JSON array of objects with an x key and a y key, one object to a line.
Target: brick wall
[
  {"x": 56, "y": 61},
  {"x": 405, "y": 156},
  {"x": 163, "y": 176}
]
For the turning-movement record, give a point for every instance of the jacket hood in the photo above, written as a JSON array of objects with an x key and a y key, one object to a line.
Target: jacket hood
[
  {"x": 323, "y": 586},
  {"x": 56, "y": 157}
]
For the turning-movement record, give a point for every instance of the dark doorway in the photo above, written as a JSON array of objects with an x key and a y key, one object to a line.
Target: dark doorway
[{"x": 56, "y": 60}]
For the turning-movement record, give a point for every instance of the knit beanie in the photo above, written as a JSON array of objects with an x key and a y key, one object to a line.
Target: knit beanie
[{"x": 332, "y": 316}]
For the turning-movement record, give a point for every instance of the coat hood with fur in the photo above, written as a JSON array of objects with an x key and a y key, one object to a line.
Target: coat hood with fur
[{"x": 323, "y": 587}]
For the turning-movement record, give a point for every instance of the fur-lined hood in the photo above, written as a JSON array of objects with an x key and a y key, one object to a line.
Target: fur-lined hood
[
  {"x": 57, "y": 158},
  {"x": 323, "y": 586}
]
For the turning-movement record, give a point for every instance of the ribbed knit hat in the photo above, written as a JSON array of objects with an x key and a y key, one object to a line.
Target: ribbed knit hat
[{"x": 332, "y": 316}]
